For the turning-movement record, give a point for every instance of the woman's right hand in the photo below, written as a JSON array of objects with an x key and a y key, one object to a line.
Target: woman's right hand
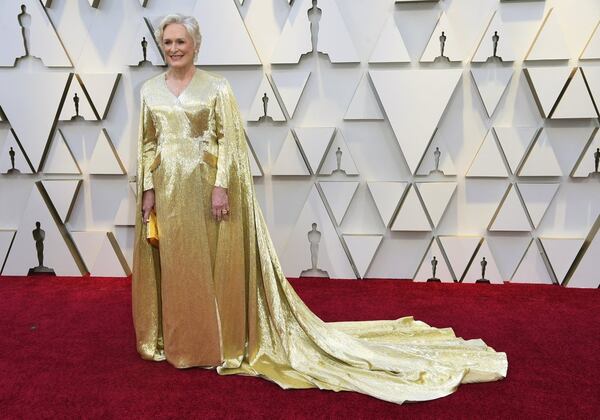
[{"x": 147, "y": 204}]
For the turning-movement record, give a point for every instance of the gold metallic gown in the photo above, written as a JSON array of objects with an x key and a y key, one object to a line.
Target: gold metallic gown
[{"x": 214, "y": 294}]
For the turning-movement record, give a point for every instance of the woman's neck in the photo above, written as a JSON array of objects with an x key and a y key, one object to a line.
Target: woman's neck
[{"x": 181, "y": 73}]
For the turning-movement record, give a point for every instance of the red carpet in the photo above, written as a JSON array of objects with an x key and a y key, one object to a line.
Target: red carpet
[{"x": 68, "y": 351}]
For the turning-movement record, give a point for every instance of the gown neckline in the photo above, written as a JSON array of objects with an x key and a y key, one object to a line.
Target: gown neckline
[{"x": 177, "y": 97}]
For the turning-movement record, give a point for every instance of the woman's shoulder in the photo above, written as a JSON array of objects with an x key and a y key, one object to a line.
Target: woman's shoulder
[
  {"x": 217, "y": 80},
  {"x": 152, "y": 83}
]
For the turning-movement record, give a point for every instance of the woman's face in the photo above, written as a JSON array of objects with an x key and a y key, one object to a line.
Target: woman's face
[{"x": 178, "y": 46}]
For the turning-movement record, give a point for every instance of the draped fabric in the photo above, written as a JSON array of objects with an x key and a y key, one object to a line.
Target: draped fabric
[{"x": 214, "y": 293}]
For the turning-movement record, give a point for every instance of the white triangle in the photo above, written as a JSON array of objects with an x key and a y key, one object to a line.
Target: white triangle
[
  {"x": 42, "y": 40},
  {"x": 561, "y": 253},
  {"x": 98, "y": 254},
  {"x": 491, "y": 83},
  {"x": 488, "y": 161},
  {"x": 290, "y": 85},
  {"x": 127, "y": 210},
  {"x": 550, "y": 43},
  {"x": 347, "y": 163},
  {"x": 41, "y": 108},
  {"x": 586, "y": 164},
  {"x": 6, "y": 238},
  {"x": 59, "y": 159},
  {"x": 255, "y": 168},
  {"x": 20, "y": 161},
  {"x": 446, "y": 163},
  {"x": 125, "y": 237},
  {"x": 331, "y": 255},
  {"x": 475, "y": 270},
  {"x": 387, "y": 195},
  {"x": 592, "y": 77},
  {"x": 576, "y": 101},
  {"x": 453, "y": 45},
  {"x": 68, "y": 111},
  {"x": 290, "y": 160},
  {"x": 546, "y": 84},
  {"x": 334, "y": 38},
  {"x": 339, "y": 194},
  {"x": 414, "y": 101},
  {"x": 62, "y": 193},
  {"x": 592, "y": 49},
  {"x": 537, "y": 199},
  {"x": 136, "y": 54},
  {"x": 505, "y": 50},
  {"x": 23, "y": 254},
  {"x": 586, "y": 272},
  {"x": 257, "y": 109},
  {"x": 515, "y": 141},
  {"x": 460, "y": 250},
  {"x": 511, "y": 216},
  {"x": 532, "y": 268},
  {"x": 364, "y": 105},
  {"x": 542, "y": 160},
  {"x": 101, "y": 88},
  {"x": 314, "y": 142},
  {"x": 509, "y": 250},
  {"x": 104, "y": 160},
  {"x": 225, "y": 40},
  {"x": 411, "y": 216},
  {"x": 295, "y": 38},
  {"x": 363, "y": 249},
  {"x": 390, "y": 47},
  {"x": 436, "y": 196},
  {"x": 425, "y": 270}
]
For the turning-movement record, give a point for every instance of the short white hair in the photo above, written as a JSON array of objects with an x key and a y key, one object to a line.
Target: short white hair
[{"x": 190, "y": 24}]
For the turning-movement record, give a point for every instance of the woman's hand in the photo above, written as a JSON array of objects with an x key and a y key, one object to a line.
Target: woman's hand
[
  {"x": 220, "y": 204},
  {"x": 147, "y": 204}
]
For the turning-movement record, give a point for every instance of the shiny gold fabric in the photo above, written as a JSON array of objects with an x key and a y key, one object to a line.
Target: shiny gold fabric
[{"x": 214, "y": 294}]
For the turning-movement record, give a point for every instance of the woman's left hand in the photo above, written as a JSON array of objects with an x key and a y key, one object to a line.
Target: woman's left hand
[{"x": 220, "y": 204}]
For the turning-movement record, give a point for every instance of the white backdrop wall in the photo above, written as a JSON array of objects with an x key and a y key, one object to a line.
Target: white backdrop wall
[{"x": 517, "y": 137}]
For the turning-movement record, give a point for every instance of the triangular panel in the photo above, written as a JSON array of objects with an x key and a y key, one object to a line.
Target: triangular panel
[
  {"x": 488, "y": 162},
  {"x": 295, "y": 38},
  {"x": 364, "y": 105},
  {"x": 411, "y": 217},
  {"x": 576, "y": 101},
  {"x": 105, "y": 160},
  {"x": 290, "y": 160},
  {"x": 549, "y": 43},
  {"x": 505, "y": 48},
  {"x": 334, "y": 38},
  {"x": 265, "y": 99},
  {"x": 314, "y": 142},
  {"x": 127, "y": 210},
  {"x": 339, "y": 195},
  {"x": 452, "y": 43},
  {"x": 515, "y": 141},
  {"x": 101, "y": 87},
  {"x": 547, "y": 83},
  {"x": 592, "y": 49},
  {"x": 98, "y": 253},
  {"x": 425, "y": 270},
  {"x": 414, "y": 101},
  {"x": 561, "y": 253},
  {"x": 362, "y": 249},
  {"x": 537, "y": 199},
  {"x": 484, "y": 260},
  {"x": 586, "y": 272},
  {"x": 62, "y": 193},
  {"x": 532, "y": 268},
  {"x": 542, "y": 160},
  {"x": 491, "y": 83},
  {"x": 460, "y": 250},
  {"x": 511, "y": 216},
  {"x": 290, "y": 85},
  {"x": 587, "y": 161},
  {"x": 60, "y": 159},
  {"x": 11, "y": 145},
  {"x": 338, "y": 154},
  {"x": 387, "y": 195},
  {"x": 436, "y": 196},
  {"x": 219, "y": 33},
  {"x": 326, "y": 246},
  {"x": 390, "y": 47},
  {"x": 84, "y": 110}
]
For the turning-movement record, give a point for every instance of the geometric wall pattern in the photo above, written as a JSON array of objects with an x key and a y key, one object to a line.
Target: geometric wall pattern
[{"x": 382, "y": 134}]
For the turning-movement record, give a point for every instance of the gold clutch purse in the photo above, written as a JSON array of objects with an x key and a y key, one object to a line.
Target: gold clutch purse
[{"x": 152, "y": 230}]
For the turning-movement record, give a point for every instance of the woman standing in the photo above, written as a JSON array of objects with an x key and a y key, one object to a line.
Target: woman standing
[{"x": 214, "y": 294}]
